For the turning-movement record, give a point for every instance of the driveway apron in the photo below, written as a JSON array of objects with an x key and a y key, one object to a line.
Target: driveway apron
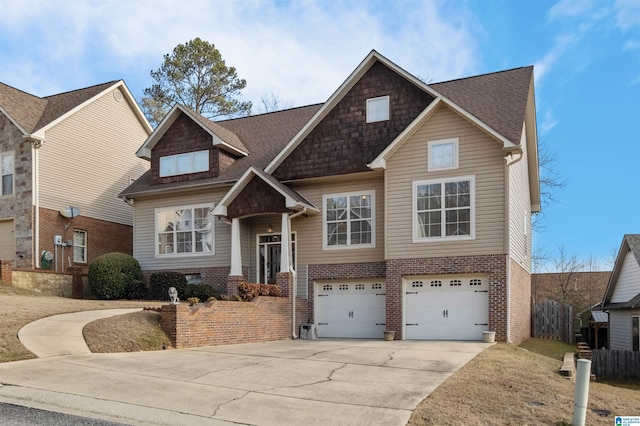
[{"x": 289, "y": 382}]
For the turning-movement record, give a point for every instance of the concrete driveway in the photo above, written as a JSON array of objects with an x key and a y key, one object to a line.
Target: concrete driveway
[{"x": 292, "y": 382}]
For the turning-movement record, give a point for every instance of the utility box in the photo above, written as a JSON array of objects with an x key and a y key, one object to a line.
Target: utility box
[{"x": 307, "y": 332}]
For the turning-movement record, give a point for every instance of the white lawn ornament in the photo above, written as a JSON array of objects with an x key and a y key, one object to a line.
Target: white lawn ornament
[{"x": 173, "y": 296}]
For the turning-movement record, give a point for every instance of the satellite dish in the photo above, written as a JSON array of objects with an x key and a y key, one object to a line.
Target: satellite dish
[{"x": 70, "y": 212}]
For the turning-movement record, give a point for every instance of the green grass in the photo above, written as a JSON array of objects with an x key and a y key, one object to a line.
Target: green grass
[{"x": 549, "y": 348}]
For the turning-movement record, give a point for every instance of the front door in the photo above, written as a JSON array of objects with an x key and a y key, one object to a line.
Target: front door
[{"x": 269, "y": 249}]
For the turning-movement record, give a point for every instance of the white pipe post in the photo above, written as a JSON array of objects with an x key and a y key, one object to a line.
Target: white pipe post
[
  {"x": 236, "y": 250},
  {"x": 581, "y": 396}
]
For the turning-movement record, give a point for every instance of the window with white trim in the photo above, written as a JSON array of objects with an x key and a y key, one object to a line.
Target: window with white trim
[
  {"x": 635, "y": 333},
  {"x": 349, "y": 220},
  {"x": 377, "y": 109},
  {"x": 443, "y": 154},
  {"x": 181, "y": 164},
  {"x": 6, "y": 162},
  {"x": 184, "y": 230},
  {"x": 79, "y": 246},
  {"x": 444, "y": 209}
]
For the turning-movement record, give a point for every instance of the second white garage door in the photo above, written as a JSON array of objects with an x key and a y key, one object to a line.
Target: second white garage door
[
  {"x": 446, "y": 307},
  {"x": 351, "y": 309}
]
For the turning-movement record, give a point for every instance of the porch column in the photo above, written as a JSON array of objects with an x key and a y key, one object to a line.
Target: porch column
[
  {"x": 236, "y": 250},
  {"x": 285, "y": 244}
]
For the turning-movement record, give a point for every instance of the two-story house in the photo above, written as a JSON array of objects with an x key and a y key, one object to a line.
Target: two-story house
[
  {"x": 65, "y": 158},
  {"x": 395, "y": 205}
]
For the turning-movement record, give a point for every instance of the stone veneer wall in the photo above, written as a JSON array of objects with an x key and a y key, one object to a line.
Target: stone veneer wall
[
  {"x": 18, "y": 206},
  {"x": 49, "y": 283}
]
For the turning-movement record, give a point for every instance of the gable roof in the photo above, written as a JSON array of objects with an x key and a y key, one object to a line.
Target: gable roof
[
  {"x": 34, "y": 115},
  {"x": 270, "y": 138},
  {"x": 293, "y": 200},
  {"x": 228, "y": 140},
  {"x": 263, "y": 135},
  {"x": 475, "y": 94},
  {"x": 630, "y": 243},
  {"x": 497, "y": 99}
]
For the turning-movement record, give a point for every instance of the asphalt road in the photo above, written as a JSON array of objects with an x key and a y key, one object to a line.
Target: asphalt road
[{"x": 16, "y": 415}]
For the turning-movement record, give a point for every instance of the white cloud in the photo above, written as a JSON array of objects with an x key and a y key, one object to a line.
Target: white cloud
[
  {"x": 300, "y": 51},
  {"x": 627, "y": 14},
  {"x": 548, "y": 122},
  {"x": 571, "y": 8}
]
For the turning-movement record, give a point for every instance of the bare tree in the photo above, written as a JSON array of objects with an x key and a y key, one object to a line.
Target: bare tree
[
  {"x": 271, "y": 103},
  {"x": 550, "y": 182}
]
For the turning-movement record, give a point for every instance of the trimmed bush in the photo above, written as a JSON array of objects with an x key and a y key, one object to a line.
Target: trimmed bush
[
  {"x": 249, "y": 291},
  {"x": 201, "y": 291},
  {"x": 115, "y": 276},
  {"x": 159, "y": 283}
]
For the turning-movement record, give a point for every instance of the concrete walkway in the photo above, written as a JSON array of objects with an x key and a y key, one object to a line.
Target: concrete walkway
[
  {"x": 62, "y": 334},
  {"x": 289, "y": 382}
]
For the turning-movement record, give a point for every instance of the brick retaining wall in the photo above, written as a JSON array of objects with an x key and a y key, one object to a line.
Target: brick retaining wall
[{"x": 225, "y": 322}]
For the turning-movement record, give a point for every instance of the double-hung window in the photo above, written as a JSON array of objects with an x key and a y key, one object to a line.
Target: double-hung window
[
  {"x": 349, "y": 220},
  {"x": 185, "y": 230},
  {"x": 188, "y": 162},
  {"x": 6, "y": 163},
  {"x": 444, "y": 209},
  {"x": 79, "y": 246}
]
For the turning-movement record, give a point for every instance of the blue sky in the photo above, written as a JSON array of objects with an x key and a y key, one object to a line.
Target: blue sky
[{"x": 586, "y": 55}]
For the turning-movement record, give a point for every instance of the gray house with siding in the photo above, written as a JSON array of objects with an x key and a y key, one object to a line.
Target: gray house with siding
[
  {"x": 394, "y": 205},
  {"x": 622, "y": 298}
]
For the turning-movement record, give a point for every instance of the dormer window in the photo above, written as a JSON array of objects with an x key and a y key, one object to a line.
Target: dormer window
[
  {"x": 377, "y": 109},
  {"x": 182, "y": 164}
]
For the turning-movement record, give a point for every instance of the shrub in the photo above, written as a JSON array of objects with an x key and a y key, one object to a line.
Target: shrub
[
  {"x": 115, "y": 276},
  {"x": 249, "y": 291},
  {"x": 159, "y": 283},
  {"x": 201, "y": 291},
  {"x": 137, "y": 290}
]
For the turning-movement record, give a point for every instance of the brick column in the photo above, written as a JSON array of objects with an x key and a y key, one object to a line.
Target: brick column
[
  {"x": 285, "y": 281},
  {"x": 232, "y": 283},
  {"x": 172, "y": 321},
  {"x": 6, "y": 266}
]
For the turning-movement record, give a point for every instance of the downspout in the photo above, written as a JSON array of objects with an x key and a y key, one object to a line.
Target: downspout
[
  {"x": 36, "y": 143},
  {"x": 294, "y": 276},
  {"x": 507, "y": 210}
]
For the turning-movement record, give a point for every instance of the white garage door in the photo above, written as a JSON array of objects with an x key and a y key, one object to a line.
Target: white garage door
[
  {"x": 7, "y": 247},
  {"x": 446, "y": 307},
  {"x": 354, "y": 309}
]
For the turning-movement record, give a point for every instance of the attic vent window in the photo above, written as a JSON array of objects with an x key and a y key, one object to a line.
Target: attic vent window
[
  {"x": 181, "y": 164},
  {"x": 378, "y": 109}
]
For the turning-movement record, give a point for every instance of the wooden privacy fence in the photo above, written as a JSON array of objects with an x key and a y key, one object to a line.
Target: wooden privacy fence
[
  {"x": 552, "y": 321},
  {"x": 608, "y": 364}
]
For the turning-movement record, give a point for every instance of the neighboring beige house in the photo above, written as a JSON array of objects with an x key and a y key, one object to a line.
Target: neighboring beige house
[
  {"x": 68, "y": 150},
  {"x": 395, "y": 205},
  {"x": 622, "y": 299}
]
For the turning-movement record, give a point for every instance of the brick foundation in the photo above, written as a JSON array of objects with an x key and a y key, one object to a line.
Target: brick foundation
[
  {"x": 6, "y": 266},
  {"x": 520, "y": 296}
]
